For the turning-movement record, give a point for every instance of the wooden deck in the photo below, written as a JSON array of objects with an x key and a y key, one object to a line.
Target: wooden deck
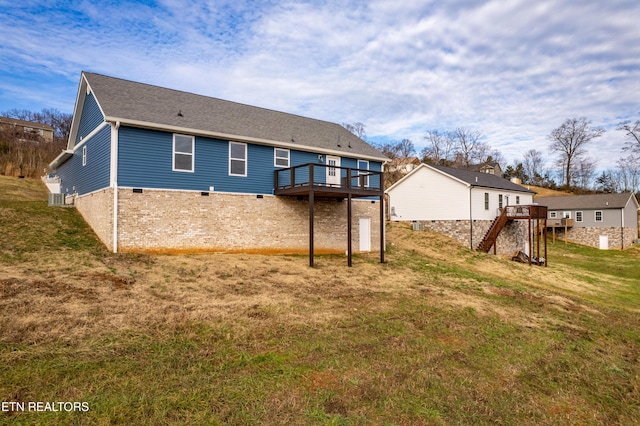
[
  {"x": 313, "y": 181},
  {"x": 328, "y": 181}
]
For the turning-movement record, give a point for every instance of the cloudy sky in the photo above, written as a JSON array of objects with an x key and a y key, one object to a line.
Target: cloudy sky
[{"x": 512, "y": 69}]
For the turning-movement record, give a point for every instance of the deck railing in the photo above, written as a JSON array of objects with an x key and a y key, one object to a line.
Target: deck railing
[
  {"x": 526, "y": 212},
  {"x": 328, "y": 176}
]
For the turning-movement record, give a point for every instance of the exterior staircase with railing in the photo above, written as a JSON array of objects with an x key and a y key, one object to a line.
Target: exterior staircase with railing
[{"x": 489, "y": 239}]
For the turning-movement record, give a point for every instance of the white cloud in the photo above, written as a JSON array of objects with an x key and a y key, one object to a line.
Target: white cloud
[{"x": 511, "y": 69}]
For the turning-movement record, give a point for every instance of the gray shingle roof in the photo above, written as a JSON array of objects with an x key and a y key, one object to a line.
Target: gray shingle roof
[
  {"x": 159, "y": 106},
  {"x": 591, "y": 201},
  {"x": 485, "y": 180}
]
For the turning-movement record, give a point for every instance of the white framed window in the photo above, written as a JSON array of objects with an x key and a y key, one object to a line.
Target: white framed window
[
  {"x": 237, "y": 159},
  {"x": 281, "y": 157},
  {"x": 566, "y": 215},
  {"x": 553, "y": 215},
  {"x": 486, "y": 201},
  {"x": 183, "y": 153},
  {"x": 363, "y": 165},
  {"x": 517, "y": 199},
  {"x": 598, "y": 216},
  {"x": 578, "y": 216},
  {"x": 84, "y": 155},
  {"x": 500, "y": 201}
]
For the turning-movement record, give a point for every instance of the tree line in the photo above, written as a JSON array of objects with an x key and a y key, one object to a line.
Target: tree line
[
  {"x": 29, "y": 155},
  {"x": 568, "y": 169}
]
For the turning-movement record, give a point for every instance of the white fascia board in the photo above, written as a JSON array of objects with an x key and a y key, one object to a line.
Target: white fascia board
[
  {"x": 249, "y": 139},
  {"x": 61, "y": 158},
  {"x": 77, "y": 112},
  {"x": 84, "y": 88}
]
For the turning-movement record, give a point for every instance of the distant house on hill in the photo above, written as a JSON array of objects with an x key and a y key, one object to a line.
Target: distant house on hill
[
  {"x": 460, "y": 203},
  {"x": 27, "y": 130},
  {"x": 403, "y": 165},
  {"x": 159, "y": 170},
  {"x": 489, "y": 167},
  {"x": 597, "y": 220}
]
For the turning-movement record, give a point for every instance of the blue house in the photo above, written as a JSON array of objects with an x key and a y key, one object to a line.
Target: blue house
[{"x": 153, "y": 169}]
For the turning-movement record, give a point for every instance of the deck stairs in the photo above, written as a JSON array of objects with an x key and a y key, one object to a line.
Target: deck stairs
[{"x": 491, "y": 236}]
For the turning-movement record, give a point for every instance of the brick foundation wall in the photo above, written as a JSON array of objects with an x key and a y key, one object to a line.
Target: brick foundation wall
[
  {"x": 176, "y": 221},
  {"x": 591, "y": 236},
  {"x": 97, "y": 210},
  {"x": 512, "y": 238}
]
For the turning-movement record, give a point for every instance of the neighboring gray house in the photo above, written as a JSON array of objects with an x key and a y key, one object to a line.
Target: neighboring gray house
[{"x": 597, "y": 220}]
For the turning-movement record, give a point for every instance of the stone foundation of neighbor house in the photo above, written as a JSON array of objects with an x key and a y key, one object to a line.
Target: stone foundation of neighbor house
[
  {"x": 97, "y": 210},
  {"x": 164, "y": 221},
  {"x": 618, "y": 238},
  {"x": 511, "y": 239}
]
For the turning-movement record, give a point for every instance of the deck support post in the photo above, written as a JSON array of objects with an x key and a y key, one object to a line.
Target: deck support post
[
  {"x": 311, "y": 217},
  {"x": 546, "y": 259},
  {"x": 538, "y": 235},
  {"x": 382, "y": 236},
  {"x": 349, "y": 232},
  {"x": 530, "y": 242}
]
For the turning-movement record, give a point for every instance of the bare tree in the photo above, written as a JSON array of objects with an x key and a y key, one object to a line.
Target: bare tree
[
  {"x": 628, "y": 173},
  {"x": 396, "y": 151},
  {"x": 585, "y": 172},
  {"x": 468, "y": 146},
  {"x": 533, "y": 164},
  {"x": 356, "y": 128},
  {"x": 570, "y": 140},
  {"x": 632, "y": 133},
  {"x": 27, "y": 154},
  {"x": 440, "y": 149}
]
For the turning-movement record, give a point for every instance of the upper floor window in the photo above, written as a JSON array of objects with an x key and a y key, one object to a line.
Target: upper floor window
[
  {"x": 237, "y": 159},
  {"x": 566, "y": 215},
  {"x": 486, "y": 201},
  {"x": 499, "y": 201},
  {"x": 517, "y": 199},
  {"x": 599, "y": 216},
  {"x": 578, "y": 216},
  {"x": 281, "y": 157},
  {"x": 553, "y": 215},
  {"x": 84, "y": 155},
  {"x": 183, "y": 153}
]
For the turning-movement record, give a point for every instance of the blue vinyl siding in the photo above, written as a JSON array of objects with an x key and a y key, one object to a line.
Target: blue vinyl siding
[
  {"x": 145, "y": 161},
  {"x": 74, "y": 177},
  {"x": 91, "y": 117}
]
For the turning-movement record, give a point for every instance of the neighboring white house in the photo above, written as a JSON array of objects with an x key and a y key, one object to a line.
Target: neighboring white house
[
  {"x": 459, "y": 203},
  {"x": 597, "y": 220}
]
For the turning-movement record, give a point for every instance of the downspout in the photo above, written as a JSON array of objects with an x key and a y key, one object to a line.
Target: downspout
[{"x": 114, "y": 181}]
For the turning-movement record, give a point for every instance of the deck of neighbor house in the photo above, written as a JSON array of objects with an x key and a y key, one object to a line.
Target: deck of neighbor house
[
  {"x": 533, "y": 212},
  {"x": 313, "y": 181}
]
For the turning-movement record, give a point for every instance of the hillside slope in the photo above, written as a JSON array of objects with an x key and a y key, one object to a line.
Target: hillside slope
[{"x": 437, "y": 335}]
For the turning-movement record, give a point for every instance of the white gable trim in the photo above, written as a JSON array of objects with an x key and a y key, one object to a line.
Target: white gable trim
[{"x": 83, "y": 90}]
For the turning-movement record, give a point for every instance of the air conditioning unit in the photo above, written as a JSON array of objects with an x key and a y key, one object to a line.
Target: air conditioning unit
[{"x": 56, "y": 199}]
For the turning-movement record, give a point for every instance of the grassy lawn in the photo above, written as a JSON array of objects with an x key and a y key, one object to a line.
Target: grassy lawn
[{"x": 437, "y": 335}]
